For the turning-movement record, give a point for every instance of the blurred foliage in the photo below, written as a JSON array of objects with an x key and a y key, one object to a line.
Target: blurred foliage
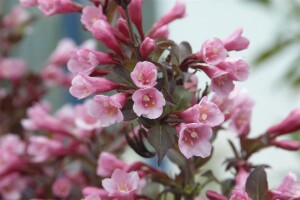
[{"x": 287, "y": 37}]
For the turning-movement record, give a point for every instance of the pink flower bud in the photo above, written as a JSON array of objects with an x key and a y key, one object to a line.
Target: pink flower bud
[
  {"x": 107, "y": 163},
  {"x": 12, "y": 68},
  {"x": 178, "y": 11},
  {"x": 144, "y": 74},
  {"x": 213, "y": 51},
  {"x": 147, "y": 46},
  {"x": 122, "y": 27},
  {"x": 194, "y": 140},
  {"x": 290, "y": 124},
  {"x": 85, "y": 60},
  {"x": 135, "y": 14},
  {"x": 162, "y": 32},
  {"x": 61, "y": 54},
  {"x": 90, "y": 14},
  {"x": 83, "y": 86},
  {"x": 122, "y": 184},
  {"x": 211, "y": 195},
  {"x": 205, "y": 112},
  {"x": 107, "y": 109},
  {"x": 237, "y": 68},
  {"x": 102, "y": 31},
  {"x": 290, "y": 145},
  {"x": 62, "y": 187},
  {"x": 52, "y": 7},
  {"x": 148, "y": 103},
  {"x": 28, "y": 3},
  {"x": 235, "y": 41}
]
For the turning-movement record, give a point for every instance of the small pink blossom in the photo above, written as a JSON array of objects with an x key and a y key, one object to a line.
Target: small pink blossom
[
  {"x": 54, "y": 75},
  {"x": 61, "y": 54},
  {"x": 52, "y": 7},
  {"x": 16, "y": 17},
  {"x": 290, "y": 124},
  {"x": 237, "y": 68},
  {"x": 148, "y": 103},
  {"x": 28, "y": 3},
  {"x": 102, "y": 31},
  {"x": 90, "y": 14},
  {"x": 239, "y": 195},
  {"x": 288, "y": 189},
  {"x": 213, "y": 51},
  {"x": 147, "y": 47},
  {"x": 84, "y": 60},
  {"x": 144, "y": 74},
  {"x": 194, "y": 140},
  {"x": 162, "y": 32},
  {"x": 107, "y": 163},
  {"x": 62, "y": 187},
  {"x": 41, "y": 148},
  {"x": 107, "y": 109},
  {"x": 12, "y": 68},
  {"x": 89, "y": 192},
  {"x": 122, "y": 184},
  {"x": 236, "y": 41},
  {"x": 212, "y": 195},
  {"x": 205, "y": 112},
  {"x": 83, "y": 86},
  {"x": 12, "y": 186}
]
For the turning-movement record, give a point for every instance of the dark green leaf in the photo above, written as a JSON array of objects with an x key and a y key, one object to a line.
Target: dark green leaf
[
  {"x": 162, "y": 138},
  {"x": 128, "y": 112},
  {"x": 182, "y": 98},
  {"x": 257, "y": 184}
]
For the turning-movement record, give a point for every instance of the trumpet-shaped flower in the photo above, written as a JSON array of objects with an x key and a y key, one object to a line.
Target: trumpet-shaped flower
[
  {"x": 107, "y": 163},
  {"x": 107, "y": 109},
  {"x": 236, "y": 41},
  {"x": 52, "y": 7},
  {"x": 213, "y": 51},
  {"x": 288, "y": 189},
  {"x": 148, "y": 103},
  {"x": 122, "y": 184},
  {"x": 194, "y": 140},
  {"x": 237, "y": 68},
  {"x": 144, "y": 74},
  {"x": 147, "y": 46},
  {"x": 90, "y": 14}
]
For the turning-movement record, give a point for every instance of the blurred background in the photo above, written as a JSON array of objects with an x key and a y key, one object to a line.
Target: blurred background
[{"x": 273, "y": 27}]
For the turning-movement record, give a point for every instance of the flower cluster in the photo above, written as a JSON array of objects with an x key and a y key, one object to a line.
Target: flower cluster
[{"x": 143, "y": 93}]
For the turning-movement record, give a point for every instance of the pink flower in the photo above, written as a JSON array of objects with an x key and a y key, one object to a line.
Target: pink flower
[
  {"x": 148, "y": 102},
  {"x": 28, "y": 3},
  {"x": 237, "y": 68},
  {"x": 52, "y": 7},
  {"x": 178, "y": 11},
  {"x": 83, "y": 86},
  {"x": 107, "y": 163},
  {"x": 162, "y": 32},
  {"x": 107, "y": 109},
  {"x": 290, "y": 124},
  {"x": 144, "y": 74},
  {"x": 12, "y": 68},
  {"x": 213, "y": 51},
  {"x": 84, "y": 60},
  {"x": 240, "y": 121},
  {"x": 205, "y": 112},
  {"x": 122, "y": 27},
  {"x": 122, "y": 184},
  {"x": 290, "y": 145},
  {"x": 16, "y": 17},
  {"x": 288, "y": 189},
  {"x": 147, "y": 47},
  {"x": 62, "y": 187},
  {"x": 41, "y": 148},
  {"x": 212, "y": 195},
  {"x": 221, "y": 82},
  {"x": 12, "y": 186},
  {"x": 90, "y": 14},
  {"x": 54, "y": 75},
  {"x": 61, "y": 54},
  {"x": 235, "y": 41},
  {"x": 102, "y": 31},
  {"x": 135, "y": 14},
  {"x": 89, "y": 192},
  {"x": 194, "y": 140},
  {"x": 240, "y": 179},
  {"x": 239, "y": 195}
]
